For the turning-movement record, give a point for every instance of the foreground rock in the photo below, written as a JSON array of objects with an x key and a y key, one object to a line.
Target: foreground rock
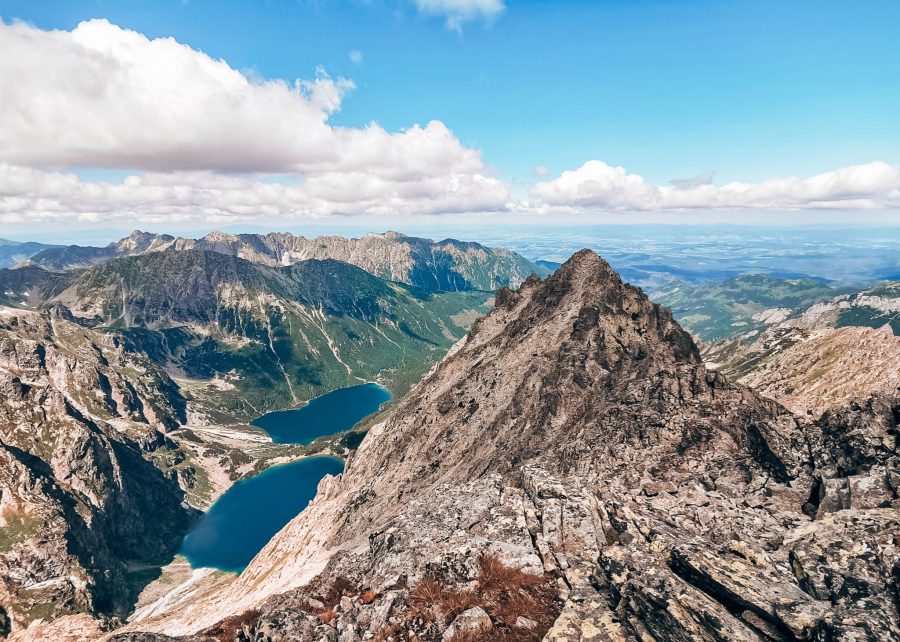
[{"x": 572, "y": 471}]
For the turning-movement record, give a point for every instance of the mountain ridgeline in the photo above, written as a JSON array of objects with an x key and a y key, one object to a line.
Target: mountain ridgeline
[
  {"x": 447, "y": 265},
  {"x": 572, "y": 471}
]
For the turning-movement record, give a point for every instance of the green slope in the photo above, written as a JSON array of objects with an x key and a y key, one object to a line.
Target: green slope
[{"x": 270, "y": 337}]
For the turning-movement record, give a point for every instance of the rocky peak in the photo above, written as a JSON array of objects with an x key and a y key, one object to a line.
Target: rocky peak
[
  {"x": 575, "y": 437},
  {"x": 575, "y": 392}
]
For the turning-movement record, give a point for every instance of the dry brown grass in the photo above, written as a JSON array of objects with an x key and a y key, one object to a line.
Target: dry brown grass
[
  {"x": 327, "y": 616},
  {"x": 494, "y": 576},
  {"x": 504, "y": 592},
  {"x": 224, "y": 631},
  {"x": 427, "y": 592},
  {"x": 455, "y": 602},
  {"x": 368, "y": 596}
]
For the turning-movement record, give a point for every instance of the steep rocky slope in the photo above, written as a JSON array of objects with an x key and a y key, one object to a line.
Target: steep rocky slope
[
  {"x": 444, "y": 265},
  {"x": 78, "y": 499},
  {"x": 576, "y": 439},
  {"x": 813, "y": 370}
]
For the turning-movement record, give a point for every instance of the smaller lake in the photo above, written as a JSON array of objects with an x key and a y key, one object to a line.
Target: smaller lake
[
  {"x": 245, "y": 518},
  {"x": 333, "y": 412}
]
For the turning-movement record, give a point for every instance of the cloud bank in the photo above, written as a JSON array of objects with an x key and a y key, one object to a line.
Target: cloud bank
[
  {"x": 598, "y": 186},
  {"x": 204, "y": 142}
]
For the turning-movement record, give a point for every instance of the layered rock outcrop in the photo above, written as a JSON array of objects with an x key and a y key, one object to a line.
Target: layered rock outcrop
[{"x": 576, "y": 437}]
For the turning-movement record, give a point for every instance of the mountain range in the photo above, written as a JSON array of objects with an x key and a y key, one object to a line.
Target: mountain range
[
  {"x": 570, "y": 469},
  {"x": 13, "y": 252},
  {"x": 270, "y": 337},
  {"x": 444, "y": 265}
]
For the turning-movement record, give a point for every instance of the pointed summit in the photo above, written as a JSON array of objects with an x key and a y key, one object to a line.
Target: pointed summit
[{"x": 578, "y": 375}]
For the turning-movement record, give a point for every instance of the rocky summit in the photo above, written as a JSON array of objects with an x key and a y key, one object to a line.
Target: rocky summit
[{"x": 572, "y": 471}]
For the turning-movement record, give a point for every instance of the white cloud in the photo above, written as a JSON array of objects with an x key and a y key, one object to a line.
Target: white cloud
[
  {"x": 541, "y": 172},
  {"x": 458, "y": 12},
  {"x": 356, "y": 57},
  {"x": 598, "y": 186},
  {"x": 103, "y": 96},
  {"x": 30, "y": 195}
]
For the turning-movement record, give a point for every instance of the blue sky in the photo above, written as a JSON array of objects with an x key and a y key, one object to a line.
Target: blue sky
[{"x": 665, "y": 89}]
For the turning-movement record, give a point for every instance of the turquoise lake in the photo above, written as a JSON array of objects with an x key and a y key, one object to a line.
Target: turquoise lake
[
  {"x": 245, "y": 518},
  {"x": 333, "y": 412}
]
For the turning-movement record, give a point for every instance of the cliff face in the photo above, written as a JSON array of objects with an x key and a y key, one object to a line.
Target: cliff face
[
  {"x": 77, "y": 498},
  {"x": 576, "y": 436}
]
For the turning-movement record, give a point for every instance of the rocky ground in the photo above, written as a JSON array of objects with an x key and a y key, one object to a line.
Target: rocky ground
[{"x": 573, "y": 471}]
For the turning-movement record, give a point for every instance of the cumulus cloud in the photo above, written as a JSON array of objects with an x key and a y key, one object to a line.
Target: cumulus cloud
[
  {"x": 458, "y": 12},
  {"x": 103, "y": 96},
  {"x": 541, "y": 171},
  {"x": 598, "y": 186}
]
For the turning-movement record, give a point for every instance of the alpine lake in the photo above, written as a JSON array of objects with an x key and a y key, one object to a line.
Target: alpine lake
[{"x": 244, "y": 518}]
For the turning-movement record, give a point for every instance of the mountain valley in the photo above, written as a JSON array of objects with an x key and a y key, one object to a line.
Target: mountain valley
[{"x": 570, "y": 469}]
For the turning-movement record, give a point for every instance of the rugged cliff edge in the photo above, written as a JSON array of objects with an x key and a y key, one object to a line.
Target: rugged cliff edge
[
  {"x": 572, "y": 471},
  {"x": 78, "y": 500}
]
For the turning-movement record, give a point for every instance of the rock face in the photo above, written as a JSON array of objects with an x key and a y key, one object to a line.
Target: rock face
[
  {"x": 812, "y": 369},
  {"x": 575, "y": 438},
  {"x": 444, "y": 265},
  {"x": 77, "y": 497}
]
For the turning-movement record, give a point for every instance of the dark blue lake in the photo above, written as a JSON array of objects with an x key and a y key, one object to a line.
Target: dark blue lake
[
  {"x": 245, "y": 518},
  {"x": 333, "y": 412}
]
